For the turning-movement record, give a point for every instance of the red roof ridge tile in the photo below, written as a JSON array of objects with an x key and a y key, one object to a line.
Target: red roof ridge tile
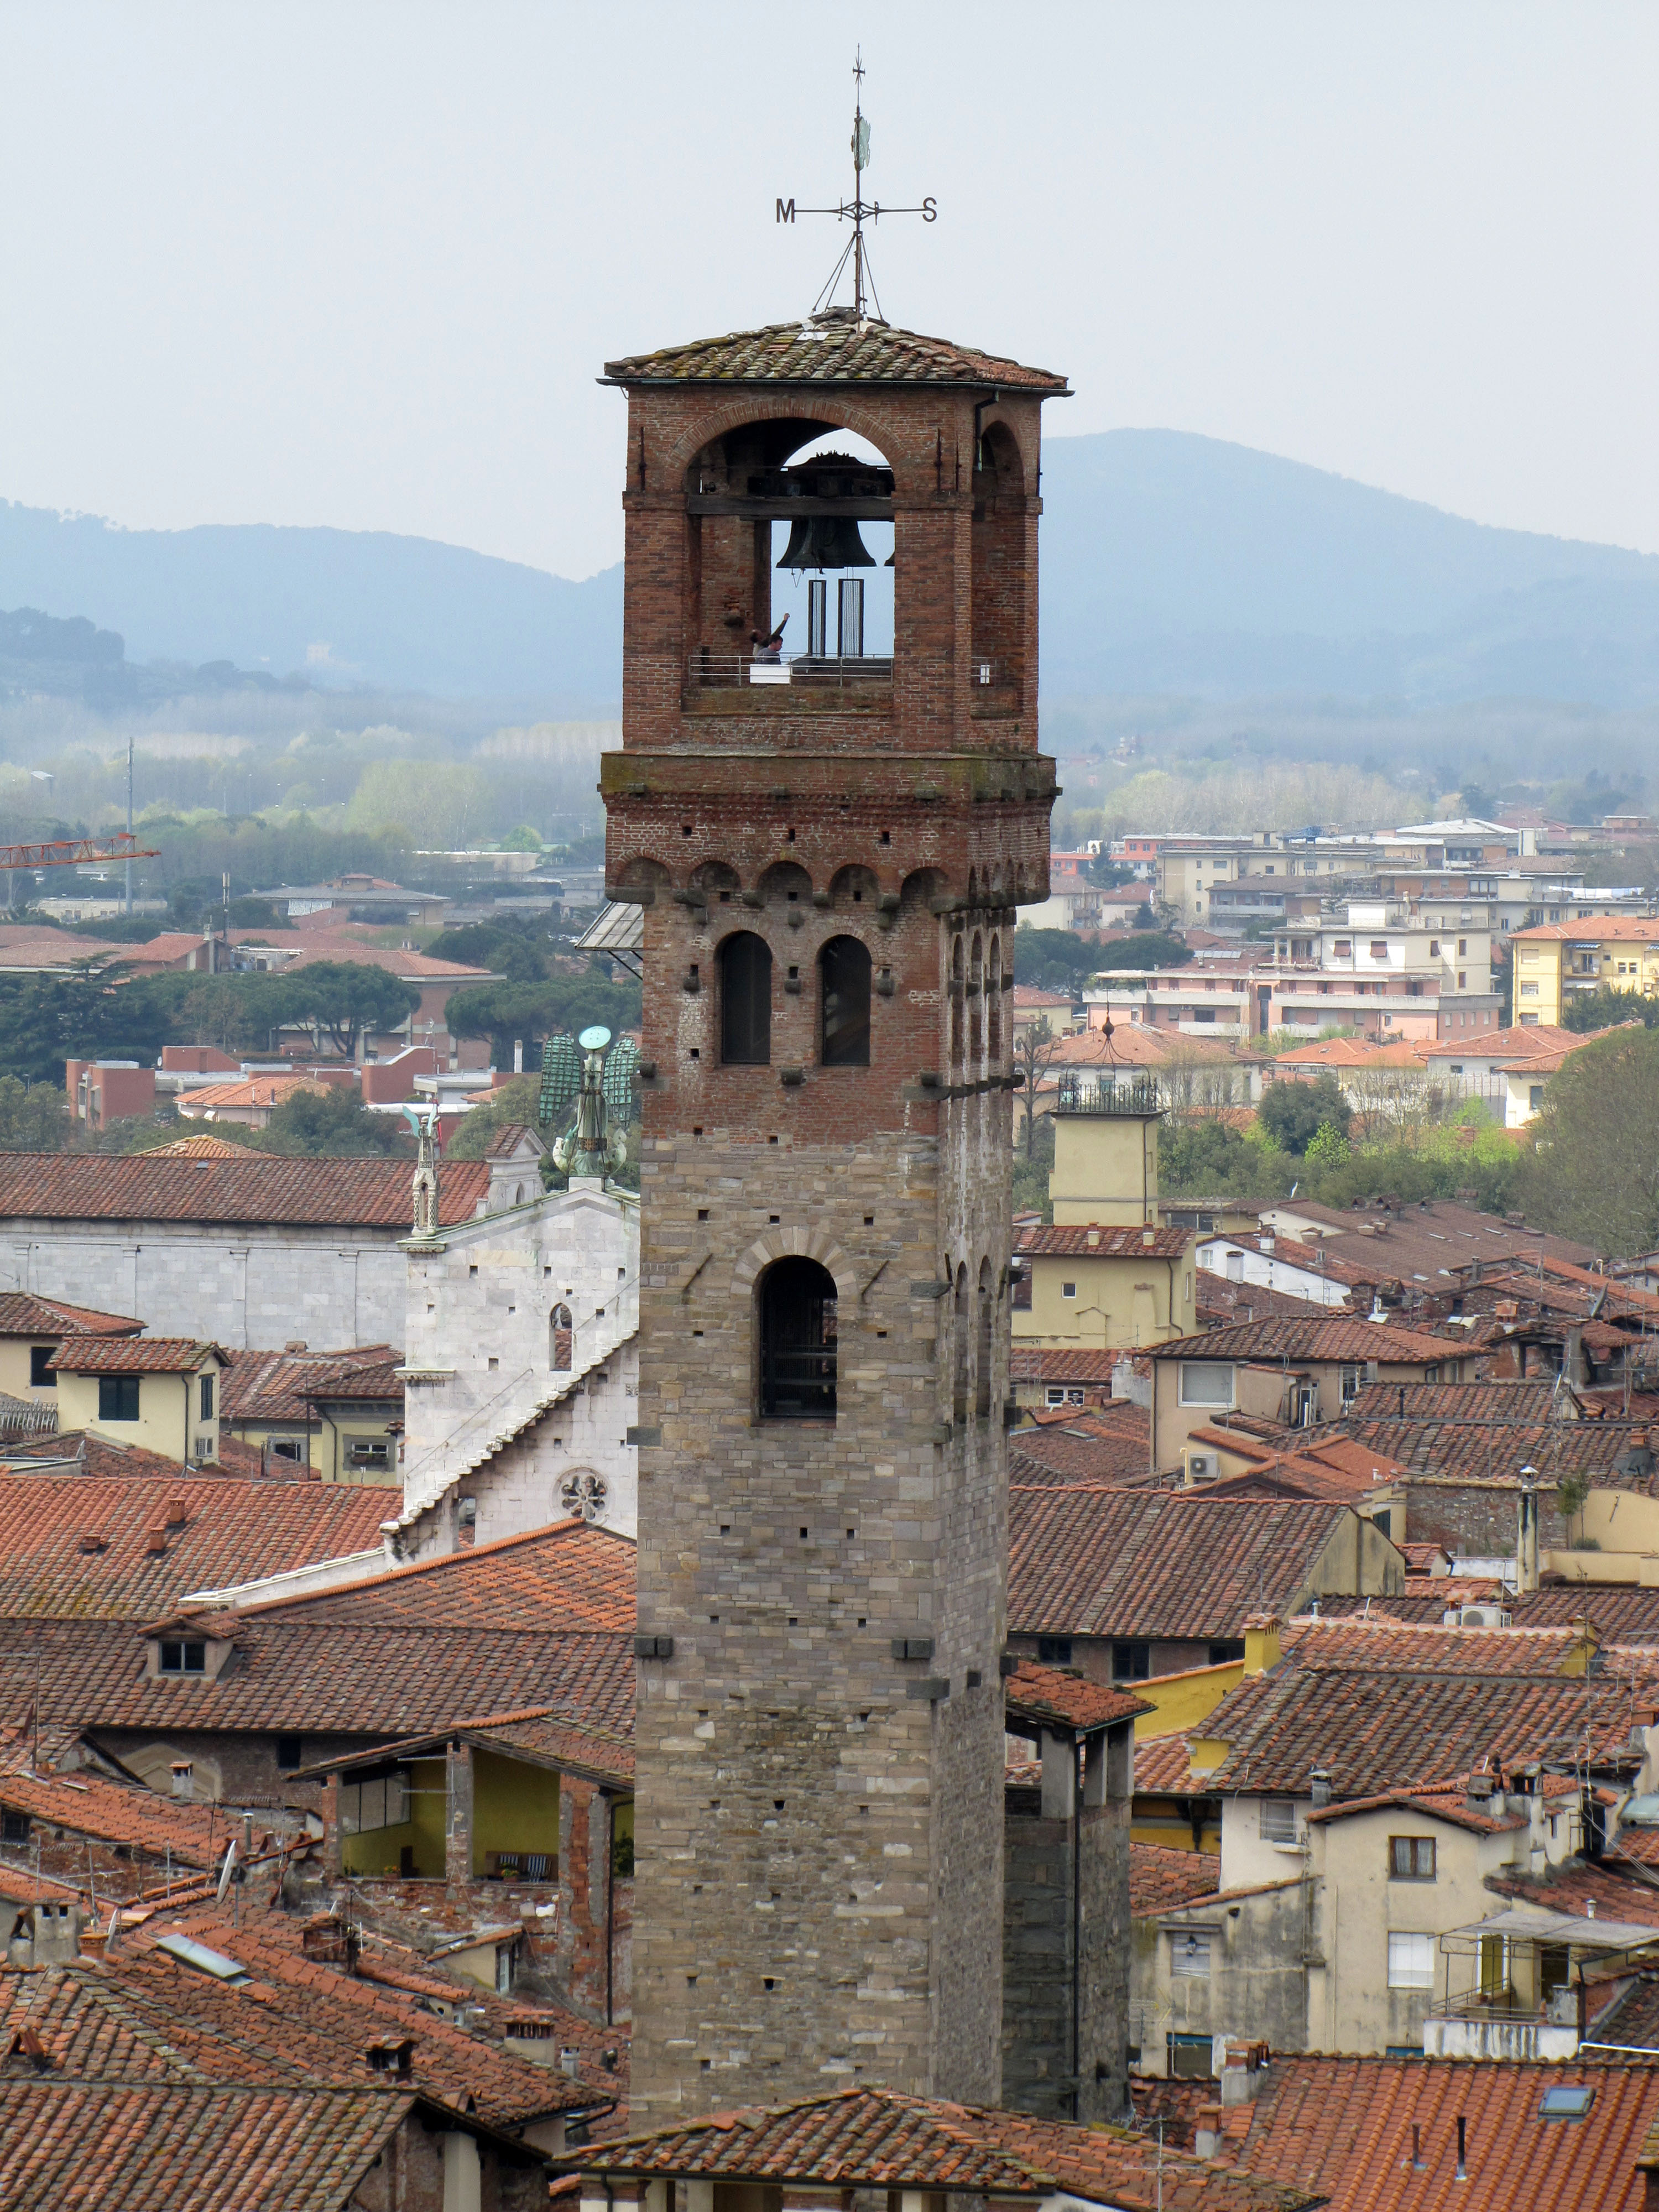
[{"x": 459, "y": 1561}]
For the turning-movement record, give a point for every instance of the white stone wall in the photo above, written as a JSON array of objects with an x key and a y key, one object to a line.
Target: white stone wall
[
  {"x": 487, "y": 1414},
  {"x": 526, "y": 1483},
  {"x": 248, "y": 1286}
]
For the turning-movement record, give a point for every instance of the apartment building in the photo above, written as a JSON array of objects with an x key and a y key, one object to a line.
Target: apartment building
[{"x": 1558, "y": 960}]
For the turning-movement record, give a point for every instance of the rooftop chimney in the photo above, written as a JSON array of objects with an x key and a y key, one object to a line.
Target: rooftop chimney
[
  {"x": 1477, "y": 1795},
  {"x": 1321, "y": 1789},
  {"x": 184, "y": 1777},
  {"x": 155, "y": 1538},
  {"x": 178, "y": 1513}
]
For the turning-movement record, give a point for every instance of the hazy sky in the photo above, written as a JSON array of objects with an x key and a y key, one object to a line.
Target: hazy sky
[{"x": 360, "y": 263}]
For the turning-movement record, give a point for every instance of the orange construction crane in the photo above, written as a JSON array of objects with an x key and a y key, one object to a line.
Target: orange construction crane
[{"x": 67, "y": 852}]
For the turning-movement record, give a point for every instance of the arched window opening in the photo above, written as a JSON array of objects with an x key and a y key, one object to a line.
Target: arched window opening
[
  {"x": 561, "y": 1339},
  {"x": 958, "y": 1006},
  {"x": 982, "y": 1377},
  {"x": 746, "y": 977},
  {"x": 797, "y": 1342},
  {"x": 844, "y": 997},
  {"x": 976, "y": 1001},
  {"x": 959, "y": 1319},
  {"x": 994, "y": 1003}
]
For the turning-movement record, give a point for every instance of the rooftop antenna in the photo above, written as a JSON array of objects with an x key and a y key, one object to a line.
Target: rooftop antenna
[{"x": 858, "y": 211}]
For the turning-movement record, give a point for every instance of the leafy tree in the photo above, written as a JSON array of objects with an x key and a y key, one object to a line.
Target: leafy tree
[
  {"x": 508, "y": 947},
  {"x": 1606, "y": 1007},
  {"x": 1145, "y": 948},
  {"x": 45, "y": 1020},
  {"x": 346, "y": 998},
  {"x": 330, "y": 1124},
  {"x": 1328, "y": 1147},
  {"x": 503, "y": 1011},
  {"x": 1593, "y": 1172},
  {"x": 34, "y": 1117},
  {"x": 517, "y": 1101},
  {"x": 1293, "y": 1113},
  {"x": 1036, "y": 1048},
  {"x": 524, "y": 839},
  {"x": 1052, "y": 959}
]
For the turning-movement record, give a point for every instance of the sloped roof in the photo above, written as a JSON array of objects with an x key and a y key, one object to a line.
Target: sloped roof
[
  {"x": 133, "y": 1355},
  {"x": 1084, "y": 1242},
  {"x": 1066, "y": 1701},
  {"x": 1163, "y": 1767},
  {"x": 192, "y": 2147},
  {"x": 254, "y": 1186},
  {"x": 571, "y": 1575},
  {"x": 1102, "y": 1444},
  {"x": 1499, "y": 1044},
  {"x": 876, "y": 2138},
  {"x": 23, "y": 1313},
  {"x": 1383, "y": 1727},
  {"x": 1156, "y": 1563},
  {"x": 1161, "y": 1878},
  {"x": 283, "y": 1386},
  {"x": 75, "y": 1546},
  {"x": 1592, "y": 929},
  {"x": 1321, "y": 1335},
  {"x": 1352, "y": 1052},
  {"x": 836, "y": 347},
  {"x": 1343, "y": 2127},
  {"x": 118, "y": 1813}
]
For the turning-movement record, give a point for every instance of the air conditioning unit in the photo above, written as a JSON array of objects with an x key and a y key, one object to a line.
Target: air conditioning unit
[
  {"x": 1202, "y": 1466},
  {"x": 1482, "y": 1616},
  {"x": 206, "y": 1450}
]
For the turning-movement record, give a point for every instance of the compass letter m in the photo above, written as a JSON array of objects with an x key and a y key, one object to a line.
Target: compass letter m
[{"x": 786, "y": 211}]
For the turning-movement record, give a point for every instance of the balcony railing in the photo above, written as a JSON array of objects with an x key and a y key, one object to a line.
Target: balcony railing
[
  {"x": 728, "y": 671},
  {"x": 1076, "y": 1094}
]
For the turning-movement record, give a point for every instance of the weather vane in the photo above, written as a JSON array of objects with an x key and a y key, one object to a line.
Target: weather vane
[{"x": 858, "y": 211}]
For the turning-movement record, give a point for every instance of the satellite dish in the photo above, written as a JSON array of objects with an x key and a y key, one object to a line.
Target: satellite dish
[{"x": 594, "y": 1040}]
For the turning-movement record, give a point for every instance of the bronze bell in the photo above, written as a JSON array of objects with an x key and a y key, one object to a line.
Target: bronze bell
[{"x": 825, "y": 541}]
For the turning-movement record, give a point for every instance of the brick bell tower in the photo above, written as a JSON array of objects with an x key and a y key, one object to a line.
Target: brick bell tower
[{"x": 830, "y": 850}]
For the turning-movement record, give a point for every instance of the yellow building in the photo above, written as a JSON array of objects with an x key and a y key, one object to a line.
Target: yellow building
[
  {"x": 159, "y": 1392},
  {"x": 1560, "y": 960},
  {"x": 1106, "y": 1277},
  {"x": 31, "y": 1330},
  {"x": 342, "y": 1411}
]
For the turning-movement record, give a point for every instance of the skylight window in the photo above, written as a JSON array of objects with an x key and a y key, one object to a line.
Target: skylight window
[{"x": 1566, "y": 2103}]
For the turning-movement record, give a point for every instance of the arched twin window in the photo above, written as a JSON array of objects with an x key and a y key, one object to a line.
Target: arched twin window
[
  {"x": 745, "y": 968},
  {"x": 797, "y": 1300}
]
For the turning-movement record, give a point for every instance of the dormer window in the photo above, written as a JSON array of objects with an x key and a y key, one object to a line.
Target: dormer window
[{"x": 183, "y": 1656}]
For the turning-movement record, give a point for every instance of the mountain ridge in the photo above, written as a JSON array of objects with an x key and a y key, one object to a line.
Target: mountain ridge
[{"x": 1171, "y": 563}]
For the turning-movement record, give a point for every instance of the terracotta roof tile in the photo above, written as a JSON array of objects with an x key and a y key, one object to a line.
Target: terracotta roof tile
[
  {"x": 1163, "y": 1767},
  {"x": 1048, "y": 1363},
  {"x": 835, "y": 347},
  {"x": 78, "y": 1546},
  {"x": 284, "y": 1386},
  {"x": 542, "y": 1621},
  {"x": 1048, "y": 1694},
  {"x": 1319, "y": 1336},
  {"x": 878, "y": 2138},
  {"x": 254, "y": 1186},
  {"x": 148, "y": 1355},
  {"x": 24, "y": 1313},
  {"x": 187, "y": 2146},
  {"x": 1380, "y": 1728},
  {"x": 1160, "y": 1878},
  {"x": 1157, "y": 1564},
  {"x": 1343, "y": 2128},
  {"x": 1102, "y": 1445},
  {"x": 1589, "y": 928},
  {"x": 1106, "y": 1243},
  {"x": 87, "y": 1804}
]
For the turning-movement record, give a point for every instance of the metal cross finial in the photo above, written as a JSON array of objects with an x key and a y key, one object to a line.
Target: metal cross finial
[{"x": 858, "y": 211}]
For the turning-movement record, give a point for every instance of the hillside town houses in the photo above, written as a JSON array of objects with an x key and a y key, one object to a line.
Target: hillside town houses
[{"x": 801, "y": 1617}]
